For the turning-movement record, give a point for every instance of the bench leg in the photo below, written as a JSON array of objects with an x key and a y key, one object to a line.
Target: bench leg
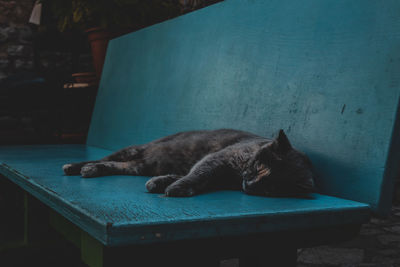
[
  {"x": 26, "y": 218},
  {"x": 26, "y": 238},
  {"x": 92, "y": 251},
  {"x": 95, "y": 254},
  {"x": 36, "y": 222},
  {"x": 12, "y": 210}
]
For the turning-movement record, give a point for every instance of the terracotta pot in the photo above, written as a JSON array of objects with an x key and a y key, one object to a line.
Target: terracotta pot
[
  {"x": 85, "y": 77},
  {"x": 98, "y": 38}
]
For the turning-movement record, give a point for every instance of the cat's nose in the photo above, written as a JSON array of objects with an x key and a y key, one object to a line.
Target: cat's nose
[
  {"x": 251, "y": 190},
  {"x": 248, "y": 185}
]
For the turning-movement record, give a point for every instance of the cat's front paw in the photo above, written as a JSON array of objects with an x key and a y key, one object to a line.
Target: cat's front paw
[
  {"x": 177, "y": 190},
  {"x": 158, "y": 184}
]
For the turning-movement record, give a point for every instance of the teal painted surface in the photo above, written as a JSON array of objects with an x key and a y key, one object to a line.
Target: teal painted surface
[
  {"x": 326, "y": 71},
  {"x": 117, "y": 210}
]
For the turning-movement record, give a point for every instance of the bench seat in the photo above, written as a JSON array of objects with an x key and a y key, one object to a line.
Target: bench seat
[{"x": 116, "y": 210}]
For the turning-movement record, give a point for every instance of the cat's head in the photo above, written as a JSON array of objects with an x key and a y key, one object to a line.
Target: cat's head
[{"x": 279, "y": 170}]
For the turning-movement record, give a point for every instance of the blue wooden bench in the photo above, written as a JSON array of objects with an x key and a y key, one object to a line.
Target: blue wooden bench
[{"x": 326, "y": 71}]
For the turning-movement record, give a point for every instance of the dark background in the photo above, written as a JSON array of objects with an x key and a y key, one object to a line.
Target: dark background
[{"x": 36, "y": 61}]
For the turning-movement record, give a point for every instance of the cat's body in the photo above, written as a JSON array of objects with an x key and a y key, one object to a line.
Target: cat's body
[{"x": 188, "y": 163}]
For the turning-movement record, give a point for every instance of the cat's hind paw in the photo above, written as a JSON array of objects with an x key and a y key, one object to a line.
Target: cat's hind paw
[
  {"x": 71, "y": 169},
  {"x": 90, "y": 170}
]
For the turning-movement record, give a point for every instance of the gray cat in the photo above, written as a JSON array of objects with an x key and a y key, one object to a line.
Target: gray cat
[{"x": 189, "y": 163}]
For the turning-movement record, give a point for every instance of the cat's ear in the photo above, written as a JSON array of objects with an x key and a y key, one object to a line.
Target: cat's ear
[
  {"x": 267, "y": 154},
  {"x": 282, "y": 142}
]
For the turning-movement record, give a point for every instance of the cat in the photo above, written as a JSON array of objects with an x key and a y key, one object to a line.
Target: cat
[{"x": 193, "y": 162}]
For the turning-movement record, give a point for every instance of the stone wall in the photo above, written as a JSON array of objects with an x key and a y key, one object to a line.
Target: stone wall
[
  {"x": 21, "y": 43},
  {"x": 16, "y": 48}
]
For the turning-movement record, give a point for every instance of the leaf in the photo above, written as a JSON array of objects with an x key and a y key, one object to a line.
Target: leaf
[{"x": 77, "y": 15}]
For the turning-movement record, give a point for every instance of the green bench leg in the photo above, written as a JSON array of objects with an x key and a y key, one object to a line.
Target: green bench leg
[
  {"x": 25, "y": 216},
  {"x": 37, "y": 230},
  {"x": 92, "y": 251},
  {"x": 184, "y": 254},
  {"x": 200, "y": 253},
  {"x": 177, "y": 254},
  {"x": 95, "y": 254},
  {"x": 26, "y": 238},
  {"x": 12, "y": 209}
]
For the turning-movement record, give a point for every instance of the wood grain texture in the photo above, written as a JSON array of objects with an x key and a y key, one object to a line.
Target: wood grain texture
[
  {"x": 327, "y": 72},
  {"x": 117, "y": 210}
]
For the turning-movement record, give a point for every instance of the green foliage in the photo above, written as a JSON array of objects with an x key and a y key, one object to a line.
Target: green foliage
[{"x": 110, "y": 13}]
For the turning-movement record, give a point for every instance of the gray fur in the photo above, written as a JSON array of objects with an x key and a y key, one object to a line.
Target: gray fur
[{"x": 189, "y": 163}]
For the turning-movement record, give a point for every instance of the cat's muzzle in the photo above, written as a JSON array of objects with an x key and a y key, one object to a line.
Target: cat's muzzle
[{"x": 252, "y": 187}]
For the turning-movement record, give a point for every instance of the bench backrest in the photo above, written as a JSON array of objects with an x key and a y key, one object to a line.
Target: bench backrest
[{"x": 325, "y": 71}]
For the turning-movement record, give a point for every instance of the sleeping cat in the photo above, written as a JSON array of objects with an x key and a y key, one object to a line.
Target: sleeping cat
[{"x": 189, "y": 163}]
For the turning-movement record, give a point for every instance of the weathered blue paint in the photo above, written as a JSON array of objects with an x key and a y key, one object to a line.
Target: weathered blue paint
[
  {"x": 325, "y": 71},
  {"x": 117, "y": 210}
]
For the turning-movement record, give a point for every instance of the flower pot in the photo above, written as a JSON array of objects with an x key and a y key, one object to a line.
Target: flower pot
[
  {"x": 85, "y": 77},
  {"x": 98, "y": 38}
]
